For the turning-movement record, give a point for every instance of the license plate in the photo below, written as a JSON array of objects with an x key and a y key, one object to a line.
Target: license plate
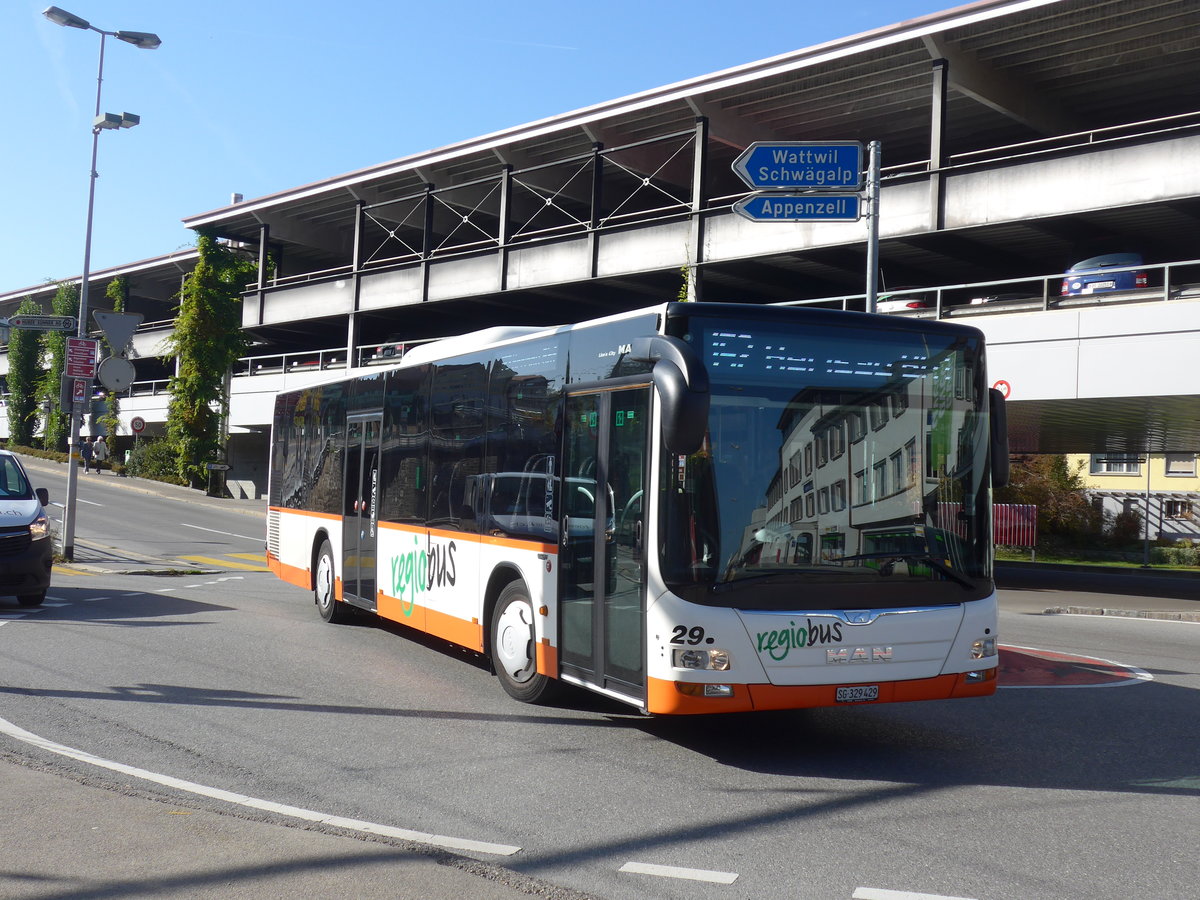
[
  {"x": 1099, "y": 286},
  {"x": 858, "y": 694}
]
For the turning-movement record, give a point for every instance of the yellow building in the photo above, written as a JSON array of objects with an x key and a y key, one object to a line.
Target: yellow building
[{"x": 1125, "y": 482}]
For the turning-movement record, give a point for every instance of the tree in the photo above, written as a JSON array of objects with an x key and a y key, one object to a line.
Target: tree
[
  {"x": 58, "y": 422},
  {"x": 206, "y": 342},
  {"x": 24, "y": 370},
  {"x": 1057, "y": 490},
  {"x": 111, "y": 418}
]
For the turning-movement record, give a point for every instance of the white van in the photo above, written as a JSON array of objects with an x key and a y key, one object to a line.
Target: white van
[{"x": 26, "y": 551}]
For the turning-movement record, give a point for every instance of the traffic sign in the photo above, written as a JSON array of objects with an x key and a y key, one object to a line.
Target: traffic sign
[
  {"x": 801, "y": 165},
  {"x": 799, "y": 207},
  {"x": 218, "y": 467},
  {"x": 137, "y": 424},
  {"x": 81, "y": 357},
  {"x": 116, "y": 373},
  {"x": 43, "y": 323},
  {"x": 118, "y": 328}
]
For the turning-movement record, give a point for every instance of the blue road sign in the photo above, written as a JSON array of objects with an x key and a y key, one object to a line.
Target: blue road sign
[
  {"x": 799, "y": 207},
  {"x": 801, "y": 165}
]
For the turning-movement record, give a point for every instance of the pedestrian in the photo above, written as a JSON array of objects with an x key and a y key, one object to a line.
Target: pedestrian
[
  {"x": 100, "y": 453},
  {"x": 87, "y": 451}
]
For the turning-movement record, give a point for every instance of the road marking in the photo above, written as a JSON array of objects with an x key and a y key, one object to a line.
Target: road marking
[
  {"x": 295, "y": 812},
  {"x": 1053, "y": 670},
  {"x": 260, "y": 558},
  {"x": 60, "y": 569},
  {"x": 638, "y": 868},
  {"x": 213, "y": 561},
  {"x": 260, "y": 538},
  {"x": 864, "y": 893}
]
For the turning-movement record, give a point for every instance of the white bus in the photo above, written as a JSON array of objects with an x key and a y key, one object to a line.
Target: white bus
[{"x": 694, "y": 508}]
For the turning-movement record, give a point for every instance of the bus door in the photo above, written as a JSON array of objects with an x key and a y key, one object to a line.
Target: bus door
[
  {"x": 601, "y": 552},
  {"x": 360, "y": 517}
]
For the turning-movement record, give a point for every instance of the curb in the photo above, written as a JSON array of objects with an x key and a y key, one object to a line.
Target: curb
[{"x": 1163, "y": 615}]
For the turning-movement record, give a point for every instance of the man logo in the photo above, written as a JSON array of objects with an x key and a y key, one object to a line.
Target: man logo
[{"x": 836, "y": 655}]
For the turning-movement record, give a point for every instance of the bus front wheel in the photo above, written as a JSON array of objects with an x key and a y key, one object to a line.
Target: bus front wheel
[
  {"x": 514, "y": 654},
  {"x": 324, "y": 587}
]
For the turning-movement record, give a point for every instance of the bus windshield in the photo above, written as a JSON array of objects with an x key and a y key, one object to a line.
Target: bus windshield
[{"x": 834, "y": 456}]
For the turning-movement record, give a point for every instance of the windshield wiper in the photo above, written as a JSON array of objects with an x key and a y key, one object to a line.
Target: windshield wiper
[{"x": 933, "y": 562}]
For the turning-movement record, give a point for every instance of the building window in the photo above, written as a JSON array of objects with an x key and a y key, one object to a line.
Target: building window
[
  {"x": 1180, "y": 464},
  {"x": 1178, "y": 509},
  {"x": 839, "y": 496},
  {"x": 879, "y": 414},
  {"x": 858, "y": 428},
  {"x": 1115, "y": 464}
]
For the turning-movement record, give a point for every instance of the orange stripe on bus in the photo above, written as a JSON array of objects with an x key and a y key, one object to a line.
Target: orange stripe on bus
[
  {"x": 432, "y": 622},
  {"x": 668, "y": 697},
  {"x": 455, "y": 630},
  {"x": 547, "y": 658},
  {"x": 491, "y": 540},
  {"x": 518, "y": 544},
  {"x": 398, "y": 611},
  {"x": 333, "y": 517},
  {"x": 291, "y": 574}
]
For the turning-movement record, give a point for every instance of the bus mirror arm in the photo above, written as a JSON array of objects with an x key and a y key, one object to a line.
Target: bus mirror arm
[
  {"x": 681, "y": 382},
  {"x": 999, "y": 437}
]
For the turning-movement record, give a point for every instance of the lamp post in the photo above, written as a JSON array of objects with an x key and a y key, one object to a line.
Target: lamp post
[{"x": 100, "y": 122}]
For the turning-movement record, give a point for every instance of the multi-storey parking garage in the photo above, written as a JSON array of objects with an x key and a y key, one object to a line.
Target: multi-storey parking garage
[{"x": 1017, "y": 139}]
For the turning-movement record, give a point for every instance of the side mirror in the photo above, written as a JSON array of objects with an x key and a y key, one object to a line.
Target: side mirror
[
  {"x": 999, "y": 437},
  {"x": 681, "y": 382},
  {"x": 43, "y": 496}
]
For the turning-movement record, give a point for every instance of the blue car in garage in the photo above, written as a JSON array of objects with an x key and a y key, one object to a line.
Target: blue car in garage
[{"x": 1099, "y": 274}]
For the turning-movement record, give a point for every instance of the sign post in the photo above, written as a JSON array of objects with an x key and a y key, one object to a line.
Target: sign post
[{"x": 791, "y": 180}]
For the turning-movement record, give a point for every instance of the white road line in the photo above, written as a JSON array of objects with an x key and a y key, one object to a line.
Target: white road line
[
  {"x": 638, "y": 868},
  {"x": 308, "y": 815},
  {"x": 260, "y": 539},
  {"x": 864, "y": 893}
]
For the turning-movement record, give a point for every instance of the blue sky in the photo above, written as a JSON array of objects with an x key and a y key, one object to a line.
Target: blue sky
[{"x": 263, "y": 96}]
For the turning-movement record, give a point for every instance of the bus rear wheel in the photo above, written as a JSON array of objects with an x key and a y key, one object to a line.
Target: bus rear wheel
[
  {"x": 514, "y": 653},
  {"x": 324, "y": 587}
]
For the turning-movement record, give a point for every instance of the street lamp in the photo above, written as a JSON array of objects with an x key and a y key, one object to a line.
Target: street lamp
[{"x": 100, "y": 122}]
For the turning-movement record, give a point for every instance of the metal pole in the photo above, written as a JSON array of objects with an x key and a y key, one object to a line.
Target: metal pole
[
  {"x": 68, "y": 536},
  {"x": 872, "y": 224},
  {"x": 1146, "y": 543}
]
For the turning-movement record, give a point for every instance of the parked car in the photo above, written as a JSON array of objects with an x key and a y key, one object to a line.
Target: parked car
[
  {"x": 26, "y": 551},
  {"x": 901, "y": 299},
  {"x": 1096, "y": 275},
  {"x": 388, "y": 352}
]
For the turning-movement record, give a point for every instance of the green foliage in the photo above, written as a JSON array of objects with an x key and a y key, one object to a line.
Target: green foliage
[
  {"x": 58, "y": 423},
  {"x": 1126, "y": 528},
  {"x": 1182, "y": 553},
  {"x": 155, "y": 459},
  {"x": 1057, "y": 490},
  {"x": 110, "y": 419},
  {"x": 207, "y": 340},
  {"x": 685, "y": 275},
  {"x": 24, "y": 370}
]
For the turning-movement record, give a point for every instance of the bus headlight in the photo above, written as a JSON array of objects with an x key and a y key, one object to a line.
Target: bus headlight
[
  {"x": 983, "y": 648},
  {"x": 717, "y": 660},
  {"x": 39, "y": 528}
]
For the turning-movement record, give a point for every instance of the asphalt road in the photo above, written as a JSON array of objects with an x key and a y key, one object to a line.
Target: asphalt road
[{"x": 229, "y": 680}]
